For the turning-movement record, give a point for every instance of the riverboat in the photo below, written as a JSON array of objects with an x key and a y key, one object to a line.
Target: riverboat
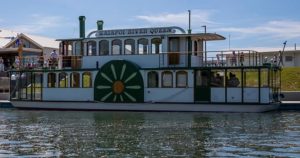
[{"x": 147, "y": 69}]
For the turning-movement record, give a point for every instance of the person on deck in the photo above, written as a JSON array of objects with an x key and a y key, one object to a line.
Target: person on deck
[
  {"x": 1, "y": 64},
  {"x": 53, "y": 58}
]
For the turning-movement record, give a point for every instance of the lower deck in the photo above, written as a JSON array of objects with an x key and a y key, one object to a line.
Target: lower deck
[{"x": 120, "y": 81}]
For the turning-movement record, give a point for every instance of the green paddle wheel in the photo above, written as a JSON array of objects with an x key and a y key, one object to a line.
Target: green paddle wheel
[{"x": 119, "y": 81}]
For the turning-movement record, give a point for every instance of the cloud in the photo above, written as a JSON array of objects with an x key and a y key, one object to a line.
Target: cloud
[
  {"x": 275, "y": 29},
  {"x": 197, "y": 18},
  {"x": 39, "y": 24}
]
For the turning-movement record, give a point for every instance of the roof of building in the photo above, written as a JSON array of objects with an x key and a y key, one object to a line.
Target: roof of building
[{"x": 9, "y": 36}]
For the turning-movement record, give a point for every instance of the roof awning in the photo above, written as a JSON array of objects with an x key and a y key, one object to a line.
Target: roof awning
[{"x": 201, "y": 36}]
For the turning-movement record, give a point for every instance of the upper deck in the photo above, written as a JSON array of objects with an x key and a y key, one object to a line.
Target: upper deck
[{"x": 158, "y": 47}]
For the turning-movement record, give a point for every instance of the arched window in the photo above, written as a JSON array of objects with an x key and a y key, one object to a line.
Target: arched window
[
  {"x": 78, "y": 48},
  {"x": 103, "y": 47},
  {"x": 152, "y": 79},
  {"x": 116, "y": 47},
  {"x": 91, "y": 48},
  {"x": 143, "y": 46},
  {"x": 63, "y": 80},
  {"x": 167, "y": 79},
  {"x": 156, "y": 45},
  {"x": 75, "y": 80},
  {"x": 51, "y": 80},
  {"x": 129, "y": 46},
  {"x": 87, "y": 80},
  {"x": 181, "y": 79}
]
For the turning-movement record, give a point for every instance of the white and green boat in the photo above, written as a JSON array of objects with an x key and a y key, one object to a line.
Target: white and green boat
[{"x": 148, "y": 69}]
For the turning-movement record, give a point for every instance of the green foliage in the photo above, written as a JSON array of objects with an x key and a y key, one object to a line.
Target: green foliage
[{"x": 290, "y": 79}]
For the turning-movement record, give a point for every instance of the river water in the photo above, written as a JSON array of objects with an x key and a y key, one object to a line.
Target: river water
[{"x": 143, "y": 134}]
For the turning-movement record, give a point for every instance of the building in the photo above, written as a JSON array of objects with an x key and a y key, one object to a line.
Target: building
[
  {"x": 290, "y": 58},
  {"x": 33, "y": 48}
]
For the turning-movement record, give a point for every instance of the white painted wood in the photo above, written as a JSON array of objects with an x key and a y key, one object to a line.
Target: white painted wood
[
  {"x": 68, "y": 94},
  {"x": 251, "y": 95},
  {"x": 169, "y": 95},
  {"x": 234, "y": 95},
  {"x": 218, "y": 95}
]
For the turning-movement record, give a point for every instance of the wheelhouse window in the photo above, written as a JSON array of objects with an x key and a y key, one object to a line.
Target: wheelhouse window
[
  {"x": 51, "y": 80},
  {"x": 264, "y": 81},
  {"x": 152, "y": 79},
  {"x": 104, "y": 47},
  {"x": 86, "y": 80},
  {"x": 63, "y": 80},
  {"x": 156, "y": 45},
  {"x": 78, "y": 48},
  {"x": 234, "y": 78},
  {"x": 217, "y": 78},
  {"x": 167, "y": 79},
  {"x": 91, "y": 48},
  {"x": 129, "y": 46},
  {"x": 250, "y": 78},
  {"x": 116, "y": 47},
  {"x": 75, "y": 80},
  {"x": 143, "y": 46},
  {"x": 181, "y": 79},
  {"x": 174, "y": 44},
  {"x": 65, "y": 47}
]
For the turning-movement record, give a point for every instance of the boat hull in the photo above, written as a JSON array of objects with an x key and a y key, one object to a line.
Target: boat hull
[{"x": 146, "y": 106}]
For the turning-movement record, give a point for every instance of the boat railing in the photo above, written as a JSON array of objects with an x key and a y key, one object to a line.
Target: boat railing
[{"x": 229, "y": 58}]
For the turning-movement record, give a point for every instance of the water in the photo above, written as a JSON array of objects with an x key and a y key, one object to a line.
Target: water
[{"x": 142, "y": 134}]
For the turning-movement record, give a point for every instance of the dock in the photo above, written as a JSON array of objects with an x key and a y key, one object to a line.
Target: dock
[
  {"x": 5, "y": 104},
  {"x": 290, "y": 105}
]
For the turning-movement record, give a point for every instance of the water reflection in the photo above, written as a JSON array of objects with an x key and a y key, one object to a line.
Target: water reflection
[{"x": 138, "y": 134}]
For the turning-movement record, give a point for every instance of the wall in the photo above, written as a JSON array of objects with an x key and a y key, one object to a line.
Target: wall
[
  {"x": 169, "y": 95},
  {"x": 68, "y": 94}
]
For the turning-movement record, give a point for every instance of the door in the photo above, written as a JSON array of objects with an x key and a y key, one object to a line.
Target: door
[{"x": 202, "y": 86}]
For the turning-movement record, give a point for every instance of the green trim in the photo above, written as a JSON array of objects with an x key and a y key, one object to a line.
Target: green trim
[{"x": 119, "y": 81}]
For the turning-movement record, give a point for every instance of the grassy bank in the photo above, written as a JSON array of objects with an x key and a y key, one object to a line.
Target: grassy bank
[{"x": 290, "y": 79}]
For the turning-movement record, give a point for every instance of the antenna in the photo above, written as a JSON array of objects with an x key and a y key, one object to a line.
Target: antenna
[
  {"x": 281, "y": 54},
  {"x": 189, "y": 30}
]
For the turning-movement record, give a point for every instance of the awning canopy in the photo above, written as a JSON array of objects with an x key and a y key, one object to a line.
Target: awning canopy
[{"x": 201, "y": 36}]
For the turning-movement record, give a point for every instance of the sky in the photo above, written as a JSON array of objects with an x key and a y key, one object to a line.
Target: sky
[{"x": 246, "y": 24}]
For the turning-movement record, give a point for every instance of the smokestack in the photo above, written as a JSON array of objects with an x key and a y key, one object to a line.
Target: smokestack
[
  {"x": 82, "y": 26},
  {"x": 100, "y": 25}
]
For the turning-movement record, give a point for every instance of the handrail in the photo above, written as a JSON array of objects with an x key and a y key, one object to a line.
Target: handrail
[{"x": 224, "y": 58}]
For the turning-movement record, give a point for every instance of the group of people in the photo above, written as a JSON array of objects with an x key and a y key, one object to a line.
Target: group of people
[
  {"x": 234, "y": 56},
  {"x": 232, "y": 81},
  {"x": 29, "y": 62}
]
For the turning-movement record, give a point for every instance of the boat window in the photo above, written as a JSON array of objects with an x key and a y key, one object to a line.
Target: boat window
[
  {"x": 174, "y": 44},
  {"x": 181, "y": 79},
  {"x": 86, "y": 80},
  {"x": 264, "y": 81},
  {"x": 103, "y": 47},
  {"x": 116, "y": 47},
  {"x": 91, "y": 48},
  {"x": 234, "y": 78},
  {"x": 63, "y": 80},
  {"x": 75, "y": 80},
  {"x": 167, "y": 79},
  {"x": 51, "y": 80},
  {"x": 152, "y": 79},
  {"x": 143, "y": 46},
  {"x": 250, "y": 77},
  {"x": 65, "y": 48},
  {"x": 217, "y": 78},
  {"x": 156, "y": 45},
  {"x": 129, "y": 46},
  {"x": 78, "y": 48}
]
